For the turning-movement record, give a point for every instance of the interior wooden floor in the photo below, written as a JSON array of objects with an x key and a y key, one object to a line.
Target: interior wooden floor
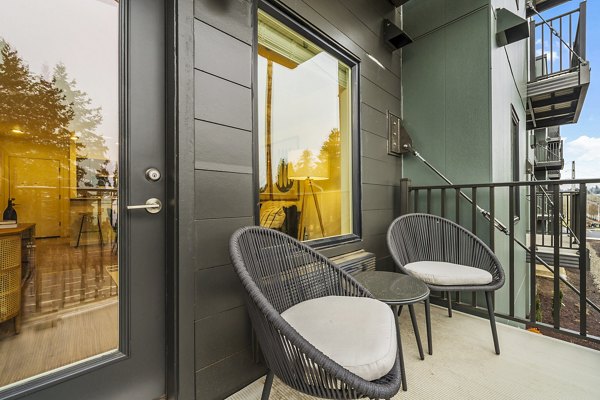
[{"x": 69, "y": 310}]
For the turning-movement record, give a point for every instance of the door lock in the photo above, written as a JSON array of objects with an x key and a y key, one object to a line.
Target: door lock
[
  {"x": 153, "y": 206},
  {"x": 153, "y": 174}
]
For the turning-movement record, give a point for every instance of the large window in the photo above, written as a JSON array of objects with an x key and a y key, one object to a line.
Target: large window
[{"x": 304, "y": 97}]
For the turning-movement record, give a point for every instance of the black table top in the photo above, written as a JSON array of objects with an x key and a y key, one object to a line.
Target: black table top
[{"x": 392, "y": 287}]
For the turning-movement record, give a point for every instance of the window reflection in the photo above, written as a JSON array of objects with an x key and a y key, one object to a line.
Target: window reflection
[
  {"x": 58, "y": 184},
  {"x": 304, "y": 127}
]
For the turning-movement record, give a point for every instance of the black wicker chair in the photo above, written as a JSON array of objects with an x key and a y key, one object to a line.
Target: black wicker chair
[
  {"x": 279, "y": 272},
  {"x": 416, "y": 238}
]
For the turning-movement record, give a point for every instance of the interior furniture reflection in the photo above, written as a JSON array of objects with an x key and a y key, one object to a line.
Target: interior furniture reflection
[
  {"x": 305, "y": 166},
  {"x": 16, "y": 268}
]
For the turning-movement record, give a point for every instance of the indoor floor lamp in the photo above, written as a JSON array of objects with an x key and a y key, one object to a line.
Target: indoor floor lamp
[{"x": 308, "y": 169}]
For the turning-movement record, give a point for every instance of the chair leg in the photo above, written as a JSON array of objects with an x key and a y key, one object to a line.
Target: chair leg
[
  {"x": 490, "y": 307},
  {"x": 413, "y": 318},
  {"x": 267, "y": 388},
  {"x": 449, "y": 304},
  {"x": 396, "y": 311},
  {"x": 428, "y": 324}
]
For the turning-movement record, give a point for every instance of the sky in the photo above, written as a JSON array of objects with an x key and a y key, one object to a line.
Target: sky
[
  {"x": 582, "y": 140},
  {"x": 81, "y": 34}
]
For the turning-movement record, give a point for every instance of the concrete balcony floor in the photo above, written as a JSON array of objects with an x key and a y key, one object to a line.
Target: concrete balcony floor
[{"x": 464, "y": 365}]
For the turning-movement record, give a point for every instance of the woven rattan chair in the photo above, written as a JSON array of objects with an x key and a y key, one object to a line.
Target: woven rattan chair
[
  {"x": 278, "y": 272},
  {"x": 447, "y": 257}
]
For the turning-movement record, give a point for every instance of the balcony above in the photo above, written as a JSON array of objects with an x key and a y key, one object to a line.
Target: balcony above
[
  {"x": 549, "y": 155},
  {"x": 559, "y": 74}
]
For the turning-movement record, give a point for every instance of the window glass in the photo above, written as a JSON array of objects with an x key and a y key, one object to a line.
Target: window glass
[
  {"x": 304, "y": 135},
  {"x": 59, "y": 179}
]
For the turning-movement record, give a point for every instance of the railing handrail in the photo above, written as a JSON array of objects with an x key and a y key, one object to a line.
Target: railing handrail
[
  {"x": 553, "y": 31},
  {"x": 544, "y": 197},
  {"x": 508, "y": 184}
]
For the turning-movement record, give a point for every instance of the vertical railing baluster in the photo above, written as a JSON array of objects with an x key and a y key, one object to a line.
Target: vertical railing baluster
[
  {"x": 582, "y": 259},
  {"x": 532, "y": 74},
  {"x": 492, "y": 218},
  {"x": 457, "y": 200},
  {"x": 556, "y": 232},
  {"x": 428, "y": 201},
  {"x": 474, "y": 230},
  {"x": 560, "y": 57},
  {"x": 511, "y": 249},
  {"x": 551, "y": 48},
  {"x": 543, "y": 52},
  {"x": 443, "y": 205},
  {"x": 544, "y": 221},
  {"x": 532, "y": 253},
  {"x": 416, "y": 200},
  {"x": 582, "y": 29}
]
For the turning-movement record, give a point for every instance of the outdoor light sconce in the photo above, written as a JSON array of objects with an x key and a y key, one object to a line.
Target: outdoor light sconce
[
  {"x": 510, "y": 27},
  {"x": 394, "y": 37}
]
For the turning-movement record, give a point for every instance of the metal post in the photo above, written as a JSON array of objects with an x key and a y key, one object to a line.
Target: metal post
[
  {"x": 511, "y": 250},
  {"x": 532, "y": 75},
  {"x": 404, "y": 196},
  {"x": 582, "y": 28},
  {"x": 556, "y": 230},
  {"x": 582, "y": 260},
  {"x": 532, "y": 251}
]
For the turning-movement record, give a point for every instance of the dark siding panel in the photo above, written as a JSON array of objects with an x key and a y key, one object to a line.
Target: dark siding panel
[
  {"x": 372, "y": 13},
  {"x": 223, "y": 194},
  {"x": 373, "y": 146},
  {"x": 336, "y": 14},
  {"x": 376, "y": 222},
  {"x": 226, "y": 103},
  {"x": 373, "y": 120},
  {"x": 215, "y": 145},
  {"x": 385, "y": 264},
  {"x": 222, "y": 334},
  {"x": 379, "y": 197},
  {"x": 224, "y": 163},
  {"x": 231, "y": 16},
  {"x": 220, "y": 54},
  {"x": 217, "y": 289},
  {"x": 212, "y": 238},
  {"x": 381, "y": 172},
  {"x": 376, "y": 244},
  {"x": 226, "y": 377},
  {"x": 379, "y": 98}
]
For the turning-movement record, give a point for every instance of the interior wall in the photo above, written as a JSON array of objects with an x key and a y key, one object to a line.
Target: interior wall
[{"x": 223, "y": 183}]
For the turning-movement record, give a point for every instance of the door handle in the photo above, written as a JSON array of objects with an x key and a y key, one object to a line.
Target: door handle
[{"x": 153, "y": 206}]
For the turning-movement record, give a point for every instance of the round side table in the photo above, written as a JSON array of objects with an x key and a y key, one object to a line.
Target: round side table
[{"x": 397, "y": 290}]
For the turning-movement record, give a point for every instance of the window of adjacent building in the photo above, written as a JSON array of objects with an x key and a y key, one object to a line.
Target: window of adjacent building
[{"x": 304, "y": 97}]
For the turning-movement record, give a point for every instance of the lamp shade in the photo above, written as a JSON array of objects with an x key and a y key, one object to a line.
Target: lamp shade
[{"x": 308, "y": 164}]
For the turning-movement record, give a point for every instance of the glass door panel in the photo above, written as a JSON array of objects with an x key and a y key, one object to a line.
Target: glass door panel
[{"x": 59, "y": 180}]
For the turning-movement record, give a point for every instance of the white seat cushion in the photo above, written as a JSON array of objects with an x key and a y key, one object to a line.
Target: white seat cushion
[
  {"x": 358, "y": 333},
  {"x": 447, "y": 274}
]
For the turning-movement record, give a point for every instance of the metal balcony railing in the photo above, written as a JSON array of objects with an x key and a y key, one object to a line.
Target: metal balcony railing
[
  {"x": 549, "y": 154},
  {"x": 550, "y": 233},
  {"x": 558, "y": 44}
]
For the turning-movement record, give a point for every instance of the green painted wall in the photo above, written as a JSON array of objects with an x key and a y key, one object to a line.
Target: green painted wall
[
  {"x": 458, "y": 90},
  {"x": 446, "y": 90}
]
